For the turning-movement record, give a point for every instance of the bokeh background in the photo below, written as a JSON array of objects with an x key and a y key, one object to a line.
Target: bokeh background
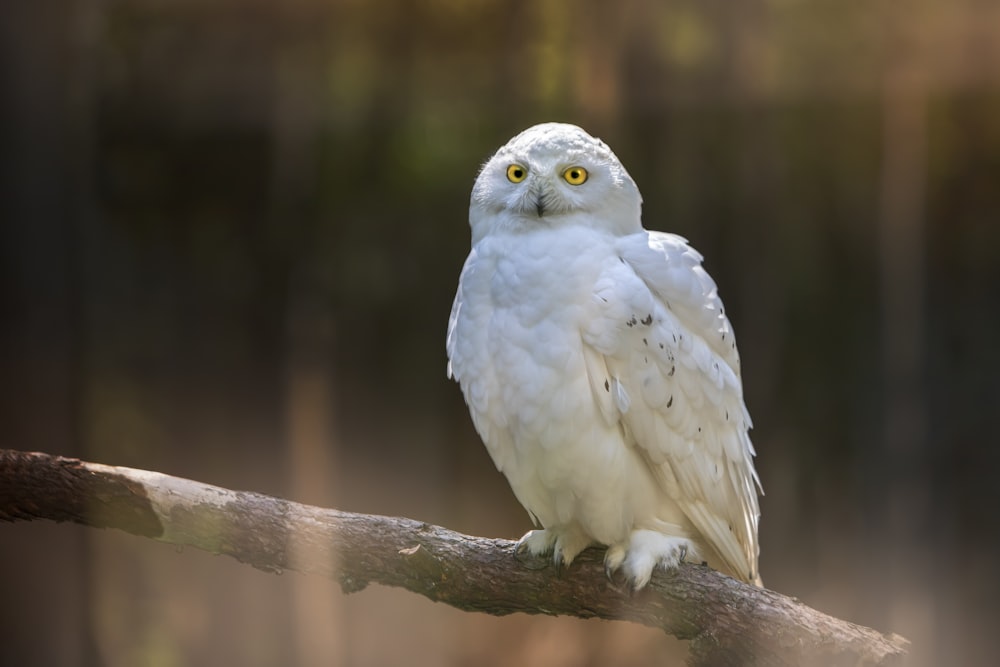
[{"x": 232, "y": 229}]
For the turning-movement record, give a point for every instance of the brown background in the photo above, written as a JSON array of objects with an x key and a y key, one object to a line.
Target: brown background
[{"x": 231, "y": 232}]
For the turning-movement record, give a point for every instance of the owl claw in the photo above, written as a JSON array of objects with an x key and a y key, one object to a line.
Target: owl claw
[
  {"x": 642, "y": 553},
  {"x": 617, "y": 579},
  {"x": 564, "y": 545},
  {"x": 558, "y": 562},
  {"x": 613, "y": 559}
]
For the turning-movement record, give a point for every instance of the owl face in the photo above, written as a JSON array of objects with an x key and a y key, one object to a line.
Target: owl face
[{"x": 550, "y": 175}]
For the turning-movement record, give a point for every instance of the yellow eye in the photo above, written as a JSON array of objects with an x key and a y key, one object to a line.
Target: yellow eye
[
  {"x": 575, "y": 175},
  {"x": 516, "y": 173}
]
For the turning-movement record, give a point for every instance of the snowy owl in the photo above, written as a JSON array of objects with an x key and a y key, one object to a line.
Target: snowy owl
[{"x": 599, "y": 366}]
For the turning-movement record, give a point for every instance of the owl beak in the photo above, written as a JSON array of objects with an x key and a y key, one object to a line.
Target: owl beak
[
  {"x": 537, "y": 196},
  {"x": 539, "y": 201}
]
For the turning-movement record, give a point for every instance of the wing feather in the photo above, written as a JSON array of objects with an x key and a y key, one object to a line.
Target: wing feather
[{"x": 660, "y": 337}]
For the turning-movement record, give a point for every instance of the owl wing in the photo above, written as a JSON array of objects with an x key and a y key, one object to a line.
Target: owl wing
[{"x": 662, "y": 362}]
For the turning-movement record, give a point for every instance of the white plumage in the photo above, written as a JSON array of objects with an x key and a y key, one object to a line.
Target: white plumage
[{"x": 599, "y": 367}]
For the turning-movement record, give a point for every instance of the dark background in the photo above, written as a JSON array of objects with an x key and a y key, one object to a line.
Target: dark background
[{"x": 231, "y": 233}]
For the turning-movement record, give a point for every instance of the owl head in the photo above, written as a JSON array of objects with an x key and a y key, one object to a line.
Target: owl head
[{"x": 553, "y": 175}]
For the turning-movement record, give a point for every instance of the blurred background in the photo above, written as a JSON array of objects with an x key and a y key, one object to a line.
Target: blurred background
[{"x": 232, "y": 230}]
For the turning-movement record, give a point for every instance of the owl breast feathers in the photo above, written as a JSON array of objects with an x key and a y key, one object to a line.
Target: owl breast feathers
[{"x": 599, "y": 366}]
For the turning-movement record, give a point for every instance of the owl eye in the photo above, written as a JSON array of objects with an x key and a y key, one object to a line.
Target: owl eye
[
  {"x": 516, "y": 173},
  {"x": 575, "y": 175}
]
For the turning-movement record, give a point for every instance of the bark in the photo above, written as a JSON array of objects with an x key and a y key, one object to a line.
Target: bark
[{"x": 726, "y": 621}]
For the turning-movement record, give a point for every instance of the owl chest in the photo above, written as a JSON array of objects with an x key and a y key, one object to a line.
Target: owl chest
[
  {"x": 528, "y": 328},
  {"x": 536, "y": 302}
]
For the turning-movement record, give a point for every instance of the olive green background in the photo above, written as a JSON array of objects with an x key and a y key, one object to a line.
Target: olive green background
[{"x": 231, "y": 233}]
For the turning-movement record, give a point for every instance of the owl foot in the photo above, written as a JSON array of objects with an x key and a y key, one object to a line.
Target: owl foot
[
  {"x": 563, "y": 544},
  {"x": 645, "y": 550}
]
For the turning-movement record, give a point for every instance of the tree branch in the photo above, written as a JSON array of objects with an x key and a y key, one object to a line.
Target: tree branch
[{"x": 726, "y": 621}]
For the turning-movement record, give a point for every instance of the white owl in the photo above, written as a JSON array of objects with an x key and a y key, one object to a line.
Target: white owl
[{"x": 599, "y": 366}]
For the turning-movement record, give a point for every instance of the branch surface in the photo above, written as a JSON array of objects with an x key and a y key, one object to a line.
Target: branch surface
[{"x": 727, "y": 622}]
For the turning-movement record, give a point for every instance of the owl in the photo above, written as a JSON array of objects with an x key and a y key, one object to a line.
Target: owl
[{"x": 599, "y": 366}]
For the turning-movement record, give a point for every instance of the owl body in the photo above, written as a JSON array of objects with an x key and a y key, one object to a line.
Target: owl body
[
  {"x": 599, "y": 367},
  {"x": 529, "y": 392}
]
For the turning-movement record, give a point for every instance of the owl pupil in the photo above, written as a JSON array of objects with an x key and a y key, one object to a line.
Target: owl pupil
[{"x": 518, "y": 173}]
